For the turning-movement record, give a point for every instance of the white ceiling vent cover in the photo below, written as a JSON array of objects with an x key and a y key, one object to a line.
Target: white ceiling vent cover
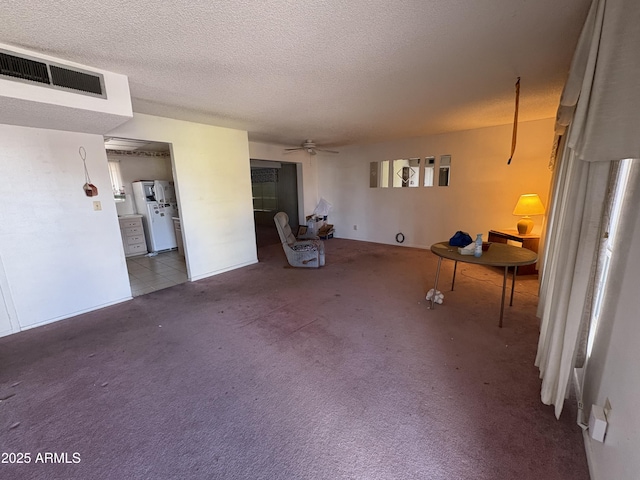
[
  {"x": 41, "y": 91},
  {"x": 27, "y": 69}
]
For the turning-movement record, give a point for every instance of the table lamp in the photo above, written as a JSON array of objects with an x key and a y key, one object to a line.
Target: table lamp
[{"x": 528, "y": 204}]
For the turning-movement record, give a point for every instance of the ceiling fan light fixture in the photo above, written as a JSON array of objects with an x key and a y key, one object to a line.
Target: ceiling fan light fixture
[{"x": 310, "y": 147}]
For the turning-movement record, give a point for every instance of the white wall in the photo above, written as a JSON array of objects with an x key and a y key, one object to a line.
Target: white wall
[
  {"x": 60, "y": 256},
  {"x": 612, "y": 369},
  {"x": 8, "y": 317},
  {"x": 213, "y": 185},
  {"x": 482, "y": 194}
]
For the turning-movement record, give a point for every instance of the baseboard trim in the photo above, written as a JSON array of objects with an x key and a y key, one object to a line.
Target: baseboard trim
[
  {"x": 74, "y": 314},
  {"x": 223, "y": 270},
  {"x": 394, "y": 244},
  {"x": 589, "y": 453},
  {"x": 582, "y": 421}
]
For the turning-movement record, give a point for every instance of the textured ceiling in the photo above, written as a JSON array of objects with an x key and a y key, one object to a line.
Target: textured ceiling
[{"x": 339, "y": 72}]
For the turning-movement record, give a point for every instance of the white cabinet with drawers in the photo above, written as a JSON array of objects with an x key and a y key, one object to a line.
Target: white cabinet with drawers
[{"x": 132, "y": 233}]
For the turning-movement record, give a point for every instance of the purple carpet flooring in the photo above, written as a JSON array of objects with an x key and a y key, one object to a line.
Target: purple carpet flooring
[{"x": 269, "y": 372}]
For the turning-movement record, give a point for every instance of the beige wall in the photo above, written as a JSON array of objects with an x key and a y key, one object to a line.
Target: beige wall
[
  {"x": 213, "y": 186},
  {"x": 60, "y": 256},
  {"x": 482, "y": 193}
]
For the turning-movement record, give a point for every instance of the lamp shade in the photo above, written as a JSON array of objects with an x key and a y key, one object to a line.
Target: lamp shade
[{"x": 529, "y": 204}]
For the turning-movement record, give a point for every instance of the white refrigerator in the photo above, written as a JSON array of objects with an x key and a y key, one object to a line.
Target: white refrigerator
[{"x": 155, "y": 200}]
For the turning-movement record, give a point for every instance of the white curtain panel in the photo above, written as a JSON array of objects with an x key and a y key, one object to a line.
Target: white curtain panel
[
  {"x": 549, "y": 238},
  {"x": 573, "y": 244},
  {"x": 605, "y": 123},
  {"x": 601, "y": 107}
]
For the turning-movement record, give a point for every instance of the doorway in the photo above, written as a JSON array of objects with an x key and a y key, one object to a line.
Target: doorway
[
  {"x": 274, "y": 188},
  {"x": 150, "y": 267}
]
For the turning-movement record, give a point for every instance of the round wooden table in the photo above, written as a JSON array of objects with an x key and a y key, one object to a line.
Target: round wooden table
[{"x": 498, "y": 255}]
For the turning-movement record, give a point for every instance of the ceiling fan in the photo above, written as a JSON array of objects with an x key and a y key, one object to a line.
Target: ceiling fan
[{"x": 310, "y": 147}]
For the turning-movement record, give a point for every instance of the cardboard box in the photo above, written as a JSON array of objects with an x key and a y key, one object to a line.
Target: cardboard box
[{"x": 326, "y": 231}]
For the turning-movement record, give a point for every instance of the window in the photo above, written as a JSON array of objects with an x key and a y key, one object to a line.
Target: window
[
  {"x": 614, "y": 219},
  {"x": 116, "y": 180},
  {"x": 264, "y": 187}
]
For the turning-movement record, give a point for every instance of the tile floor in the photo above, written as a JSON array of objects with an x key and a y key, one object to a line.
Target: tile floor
[{"x": 148, "y": 274}]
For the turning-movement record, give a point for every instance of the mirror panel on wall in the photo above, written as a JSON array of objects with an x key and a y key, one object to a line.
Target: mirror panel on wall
[
  {"x": 406, "y": 172},
  {"x": 383, "y": 175},
  {"x": 445, "y": 171},
  {"x": 429, "y": 170},
  {"x": 414, "y": 175},
  {"x": 373, "y": 174}
]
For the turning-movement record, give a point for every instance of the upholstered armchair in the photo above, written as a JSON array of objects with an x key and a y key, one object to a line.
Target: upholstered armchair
[{"x": 300, "y": 253}]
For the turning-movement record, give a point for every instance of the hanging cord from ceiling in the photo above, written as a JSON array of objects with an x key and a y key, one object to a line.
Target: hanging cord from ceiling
[{"x": 515, "y": 122}]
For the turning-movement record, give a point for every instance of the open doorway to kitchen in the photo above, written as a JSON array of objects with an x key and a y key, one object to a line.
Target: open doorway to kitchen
[
  {"x": 148, "y": 213},
  {"x": 274, "y": 188}
]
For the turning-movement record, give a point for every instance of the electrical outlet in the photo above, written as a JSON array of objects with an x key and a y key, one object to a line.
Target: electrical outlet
[
  {"x": 355, "y": 227},
  {"x": 97, "y": 206}
]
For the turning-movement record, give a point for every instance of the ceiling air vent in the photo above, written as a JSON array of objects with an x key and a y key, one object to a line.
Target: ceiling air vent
[
  {"x": 23, "y": 68},
  {"x": 61, "y": 77}
]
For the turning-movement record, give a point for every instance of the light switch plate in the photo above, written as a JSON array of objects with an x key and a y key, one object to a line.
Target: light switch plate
[{"x": 97, "y": 206}]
